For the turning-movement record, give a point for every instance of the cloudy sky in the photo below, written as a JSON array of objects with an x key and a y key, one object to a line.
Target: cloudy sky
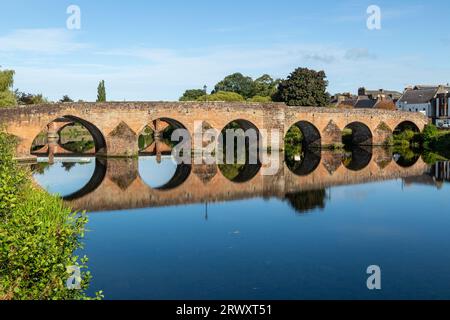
[{"x": 153, "y": 50}]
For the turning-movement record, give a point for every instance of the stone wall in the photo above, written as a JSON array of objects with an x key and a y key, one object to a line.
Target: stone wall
[{"x": 115, "y": 126}]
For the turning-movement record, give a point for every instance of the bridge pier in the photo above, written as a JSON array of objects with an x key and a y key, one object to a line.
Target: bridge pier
[
  {"x": 331, "y": 135},
  {"x": 122, "y": 142}
]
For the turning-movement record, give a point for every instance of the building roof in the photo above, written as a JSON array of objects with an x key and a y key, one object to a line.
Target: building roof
[
  {"x": 390, "y": 93},
  {"x": 364, "y": 102},
  {"x": 419, "y": 95}
]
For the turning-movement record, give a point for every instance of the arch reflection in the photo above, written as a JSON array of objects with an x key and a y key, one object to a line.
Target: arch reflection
[
  {"x": 72, "y": 179},
  {"x": 236, "y": 171},
  {"x": 357, "y": 158},
  {"x": 163, "y": 173},
  {"x": 305, "y": 163}
]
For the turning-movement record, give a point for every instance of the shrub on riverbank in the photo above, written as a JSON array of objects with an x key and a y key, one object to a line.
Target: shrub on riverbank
[
  {"x": 436, "y": 140},
  {"x": 38, "y": 237}
]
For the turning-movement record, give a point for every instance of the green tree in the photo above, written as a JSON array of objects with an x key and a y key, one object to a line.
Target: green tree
[
  {"x": 101, "y": 92},
  {"x": 222, "y": 96},
  {"x": 237, "y": 83},
  {"x": 29, "y": 98},
  {"x": 260, "y": 99},
  {"x": 192, "y": 95},
  {"x": 66, "y": 98},
  {"x": 304, "y": 87},
  {"x": 7, "y": 97},
  {"x": 266, "y": 86}
]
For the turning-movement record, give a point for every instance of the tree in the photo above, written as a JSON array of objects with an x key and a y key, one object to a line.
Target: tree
[
  {"x": 265, "y": 86},
  {"x": 101, "y": 92},
  {"x": 29, "y": 98},
  {"x": 192, "y": 95},
  {"x": 222, "y": 96},
  {"x": 7, "y": 97},
  {"x": 237, "y": 83},
  {"x": 260, "y": 99},
  {"x": 65, "y": 98},
  {"x": 304, "y": 87}
]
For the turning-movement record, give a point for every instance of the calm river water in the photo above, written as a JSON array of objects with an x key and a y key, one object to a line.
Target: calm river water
[{"x": 158, "y": 231}]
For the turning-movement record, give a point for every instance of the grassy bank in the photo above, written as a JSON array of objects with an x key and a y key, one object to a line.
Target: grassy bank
[{"x": 38, "y": 237}]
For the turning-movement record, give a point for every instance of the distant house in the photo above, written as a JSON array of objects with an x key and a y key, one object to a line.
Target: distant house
[
  {"x": 380, "y": 94},
  {"x": 432, "y": 101},
  {"x": 369, "y": 99}
]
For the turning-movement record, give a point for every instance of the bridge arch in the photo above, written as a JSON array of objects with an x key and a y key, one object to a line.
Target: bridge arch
[
  {"x": 251, "y": 136},
  {"x": 360, "y": 135},
  {"x": 311, "y": 134},
  {"x": 236, "y": 171},
  {"x": 50, "y": 134},
  {"x": 406, "y": 125},
  {"x": 156, "y": 137},
  {"x": 96, "y": 133}
]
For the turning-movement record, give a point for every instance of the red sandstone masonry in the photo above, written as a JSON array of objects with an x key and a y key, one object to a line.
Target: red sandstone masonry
[{"x": 131, "y": 117}]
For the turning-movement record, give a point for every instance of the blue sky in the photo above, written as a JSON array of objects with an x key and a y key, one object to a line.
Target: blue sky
[{"x": 153, "y": 50}]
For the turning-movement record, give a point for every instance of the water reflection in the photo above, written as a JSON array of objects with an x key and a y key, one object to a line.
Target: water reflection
[
  {"x": 115, "y": 184},
  {"x": 65, "y": 176},
  {"x": 161, "y": 231},
  {"x": 307, "y": 201}
]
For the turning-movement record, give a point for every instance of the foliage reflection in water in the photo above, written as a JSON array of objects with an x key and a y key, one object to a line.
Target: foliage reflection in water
[{"x": 310, "y": 232}]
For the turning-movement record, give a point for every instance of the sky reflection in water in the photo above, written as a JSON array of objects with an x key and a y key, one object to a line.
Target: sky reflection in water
[{"x": 306, "y": 245}]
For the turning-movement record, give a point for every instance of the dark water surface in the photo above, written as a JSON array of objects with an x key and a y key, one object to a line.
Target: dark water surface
[{"x": 158, "y": 231}]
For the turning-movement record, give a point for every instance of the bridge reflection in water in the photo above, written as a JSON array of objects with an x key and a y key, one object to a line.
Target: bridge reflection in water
[{"x": 119, "y": 184}]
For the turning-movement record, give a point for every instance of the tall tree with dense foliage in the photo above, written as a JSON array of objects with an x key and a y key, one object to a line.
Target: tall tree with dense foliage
[
  {"x": 237, "y": 83},
  {"x": 7, "y": 97},
  {"x": 101, "y": 92},
  {"x": 192, "y": 95},
  {"x": 304, "y": 87}
]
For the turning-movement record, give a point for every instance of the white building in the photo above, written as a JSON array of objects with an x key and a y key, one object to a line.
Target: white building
[{"x": 433, "y": 101}]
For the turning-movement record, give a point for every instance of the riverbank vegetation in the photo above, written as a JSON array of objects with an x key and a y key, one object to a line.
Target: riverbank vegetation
[
  {"x": 431, "y": 141},
  {"x": 39, "y": 236}
]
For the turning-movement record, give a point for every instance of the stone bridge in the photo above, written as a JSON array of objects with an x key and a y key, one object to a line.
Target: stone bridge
[
  {"x": 116, "y": 126},
  {"x": 116, "y": 183}
]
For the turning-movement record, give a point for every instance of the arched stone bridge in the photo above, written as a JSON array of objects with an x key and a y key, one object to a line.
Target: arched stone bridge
[
  {"x": 117, "y": 185},
  {"x": 115, "y": 126}
]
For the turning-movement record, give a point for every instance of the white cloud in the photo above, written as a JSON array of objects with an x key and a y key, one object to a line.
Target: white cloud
[
  {"x": 40, "y": 41},
  {"x": 163, "y": 74},
  {"x": 355, "y": 54}
]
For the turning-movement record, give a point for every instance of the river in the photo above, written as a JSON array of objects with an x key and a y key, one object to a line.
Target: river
[{"x": 162, "y": 231}]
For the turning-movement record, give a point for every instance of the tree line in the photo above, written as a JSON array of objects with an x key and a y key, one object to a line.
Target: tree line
[
  {"x": 10, "y": 97},
  {"x": 303, "y": 87}
]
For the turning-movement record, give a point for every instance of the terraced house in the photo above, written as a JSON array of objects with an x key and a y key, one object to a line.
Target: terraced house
[{"x": 433, "y": 101}]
